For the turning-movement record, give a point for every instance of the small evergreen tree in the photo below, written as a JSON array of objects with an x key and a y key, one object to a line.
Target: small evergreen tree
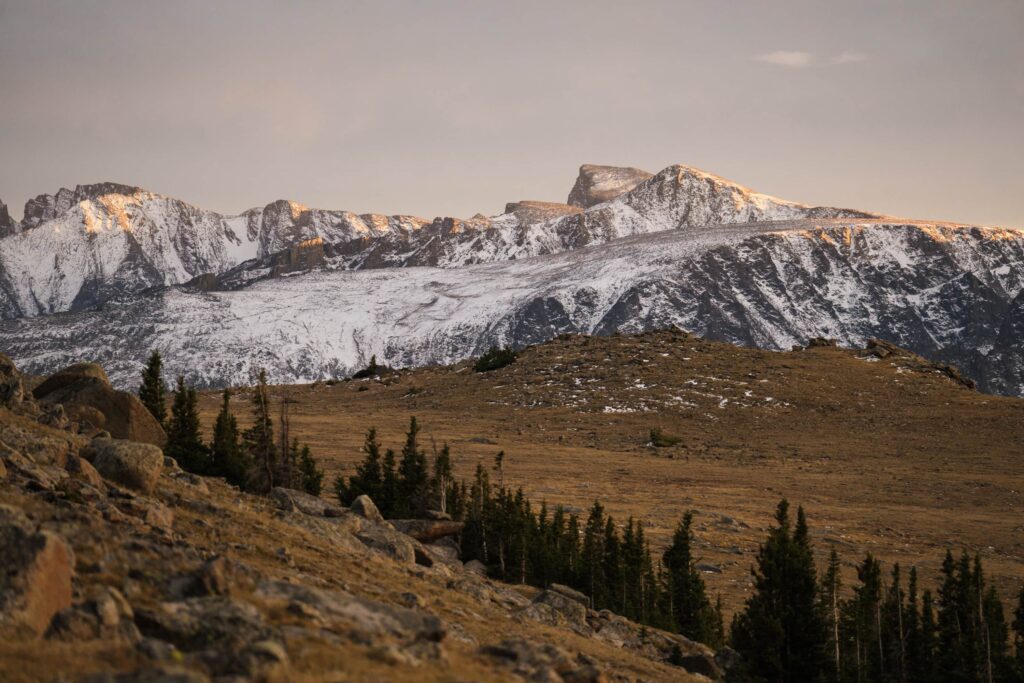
[
  {"x": 866, "y": 621},
  {"x": 152, "y": 390},
  {"x": 413, "y": 480},
  {"x": 258, "y": 440},
  {"x": 311, "y": 476},
  {"x": 442, "y": 481},
  {"x": 184, "y": 442},
  {"x": 592, "y": 575},
  {"x": 494, "y": 359},
  {"x": 781, "y": 634},
  {"x": 369, "y": 477},
  {"x": 915, "y": 653},
  {"x": 226, "y": 457},
  {"x": 389, "y": 490},
  {"x": 690, "y": 610},
  {"x": 927, "y": 670}
]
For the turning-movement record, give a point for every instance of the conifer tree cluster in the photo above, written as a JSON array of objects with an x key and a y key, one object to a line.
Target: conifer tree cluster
[
  {"x": 519, "y": 543},
  {"x": 405, "y": 487},
  {"x": 250, "y": 459},
  {"x": 796, "y": 628}
]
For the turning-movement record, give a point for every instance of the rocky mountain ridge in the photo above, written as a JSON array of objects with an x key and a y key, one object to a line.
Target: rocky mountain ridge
[
  {"x": 946, "y": 291},
  {"x": 108, "y": 240}
]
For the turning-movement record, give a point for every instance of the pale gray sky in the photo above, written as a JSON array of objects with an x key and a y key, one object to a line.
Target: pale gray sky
[{"x": 449, "y": 108}]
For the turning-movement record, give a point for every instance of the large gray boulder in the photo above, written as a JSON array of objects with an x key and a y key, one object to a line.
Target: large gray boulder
[{"x": 135, "y": 465}]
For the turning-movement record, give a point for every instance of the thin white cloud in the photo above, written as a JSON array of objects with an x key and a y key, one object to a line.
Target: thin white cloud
[
  {"x": 848, "y": 57},
  {"x": 797, "y": 59},
  {"x": 792, "y": 59}
]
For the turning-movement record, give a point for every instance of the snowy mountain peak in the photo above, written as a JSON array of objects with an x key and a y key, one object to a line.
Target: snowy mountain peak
[{"x": 47, "y": 207}]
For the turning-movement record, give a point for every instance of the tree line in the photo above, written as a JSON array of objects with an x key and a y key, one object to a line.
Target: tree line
[
  {"x": 251, "y": 459},
  {"x": 797, "y": 625}
]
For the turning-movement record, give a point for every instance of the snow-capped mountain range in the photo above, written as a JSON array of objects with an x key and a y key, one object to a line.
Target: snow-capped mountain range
[{"x": 630, "y": 251}]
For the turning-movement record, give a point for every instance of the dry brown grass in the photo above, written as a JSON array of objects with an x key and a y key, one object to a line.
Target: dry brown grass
[{"x": 885, "y": 456}]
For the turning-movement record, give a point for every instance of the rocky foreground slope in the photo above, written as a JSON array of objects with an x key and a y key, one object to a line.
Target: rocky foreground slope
[{"x": 118, "y": 566}]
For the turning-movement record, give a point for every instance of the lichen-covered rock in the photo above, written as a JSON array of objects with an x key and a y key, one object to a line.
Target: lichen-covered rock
[
  {"x": 391, "y": 543},
  {"x": 35, "y": 575},
  {"x": 369, "y": 617},
  {"x": 544, "y": 661},
  {"x": 135, "y": 465},
  {"x": 556, "y": 609},
  {"x": 82, "y": 469},
  {"x": 215, "y": 631},
  {"x": 292, "y": 500}
]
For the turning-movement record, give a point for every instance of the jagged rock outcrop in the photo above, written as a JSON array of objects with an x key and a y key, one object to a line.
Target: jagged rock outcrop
[
  {"x": 8, "y": 226},
  {"x": 599, "y": 184}
]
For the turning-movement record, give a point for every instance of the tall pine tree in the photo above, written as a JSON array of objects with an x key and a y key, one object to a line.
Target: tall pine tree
[
  {"x": 781, "y": 633},
  {"x": 689, "y": 608},
  {"x": 369, "y": 477},
  {"x": 152, "y": 390},
  {"x": 413, "y": 479},
  {"x": 184, "y": 442},
  {"x": 258, "y": 440},
  {"x": 311, "y": 477},
  {"x": 226, "y": 457}
]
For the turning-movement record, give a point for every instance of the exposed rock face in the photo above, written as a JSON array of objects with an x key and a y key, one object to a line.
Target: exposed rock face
[
  {"x": 599, "y": 184},
  {"x": 87, "y": 398},
  {"x": 365, "y": 507},
  {"x": 7, "y": 224},
  {"x": 35, "y": 574},
  {"x": 135, "y": 465},
  {"x": 292, "y": 500}
]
